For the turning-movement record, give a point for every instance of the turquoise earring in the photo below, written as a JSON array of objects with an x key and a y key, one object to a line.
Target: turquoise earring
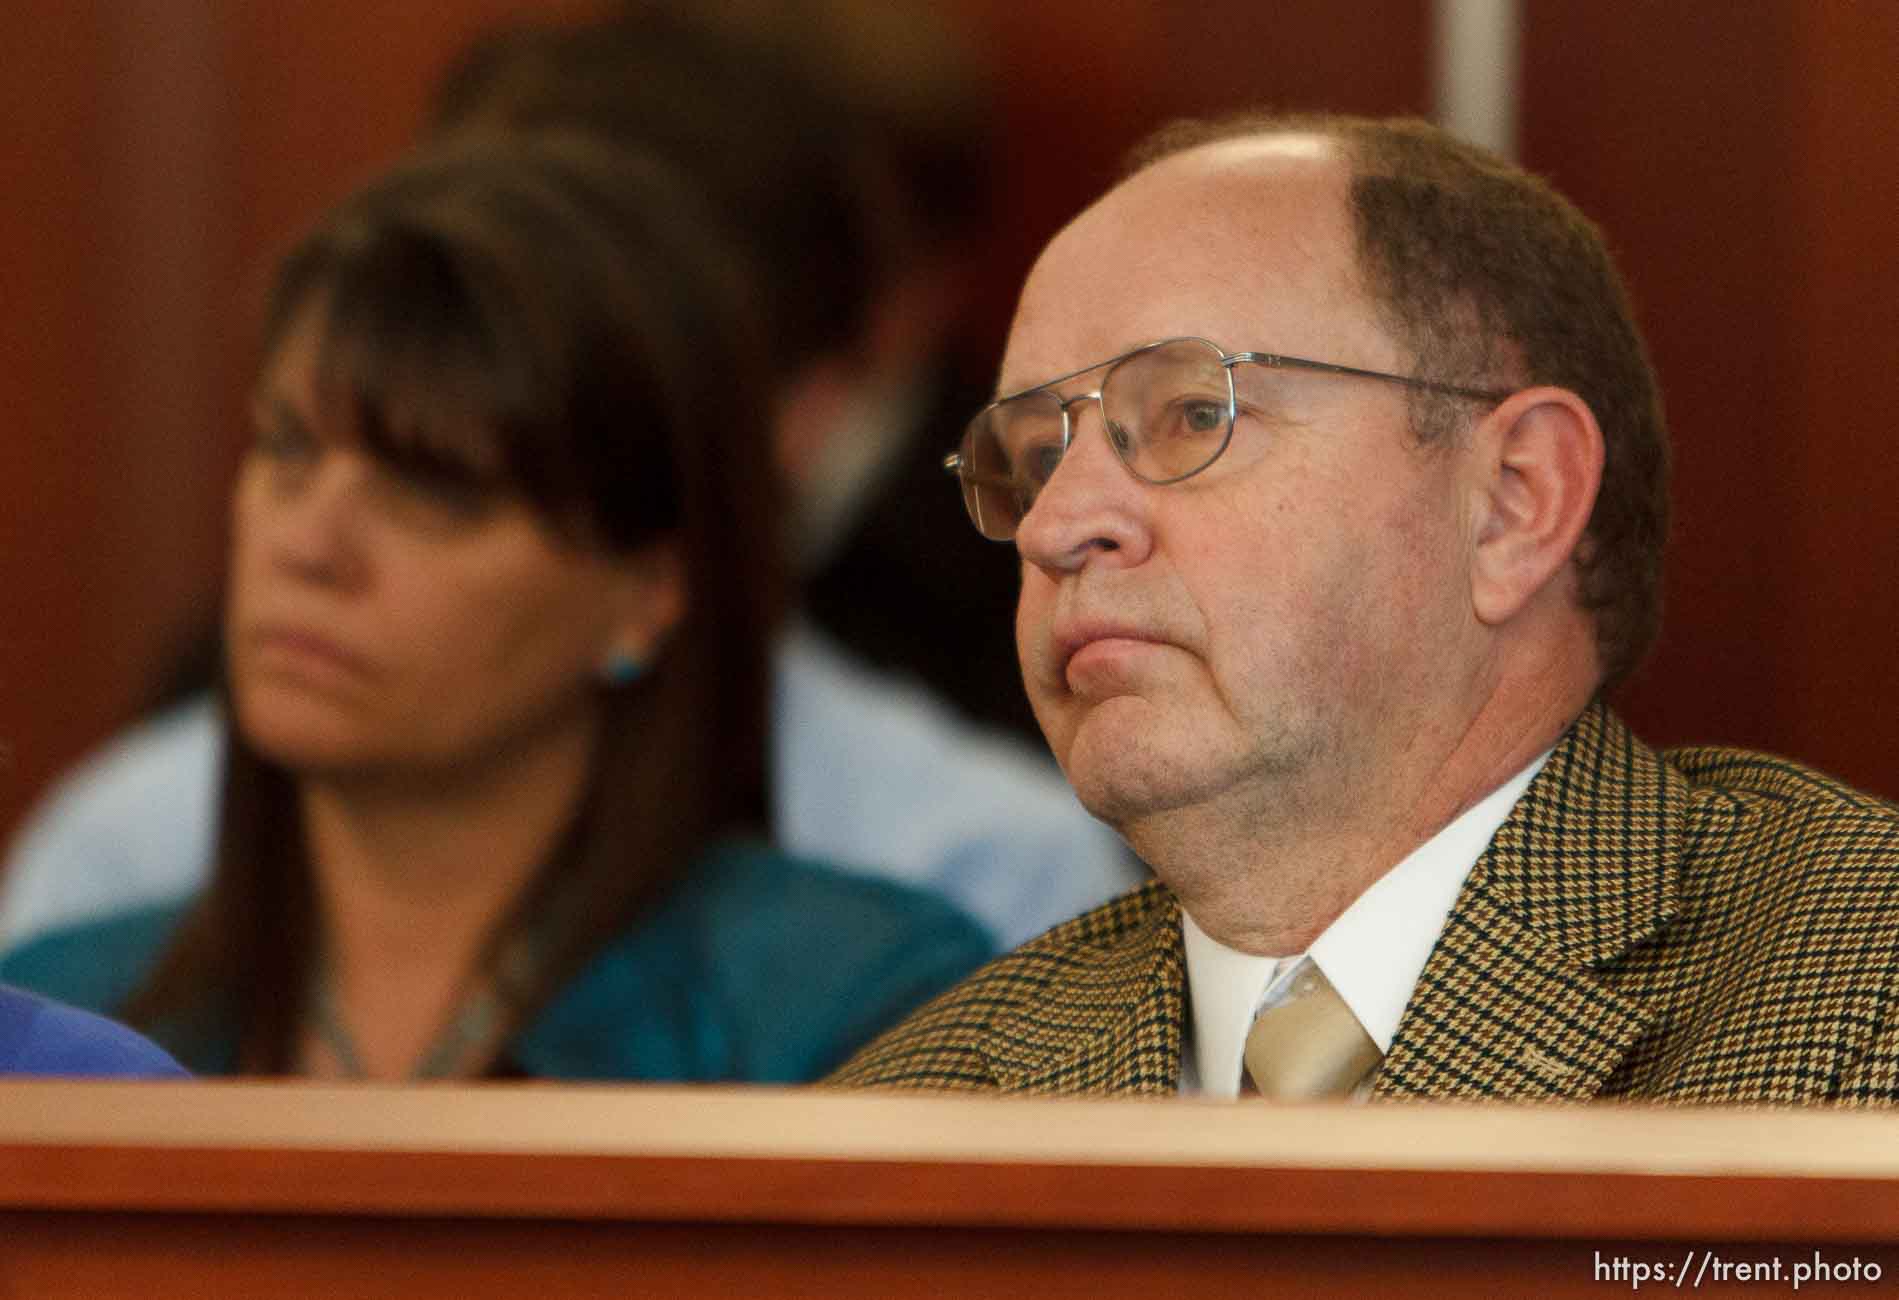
[{"x": 622, "y": 668}]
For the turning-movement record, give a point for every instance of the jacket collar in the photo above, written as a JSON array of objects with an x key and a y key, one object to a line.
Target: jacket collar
[
  {"x": 1512, "y": 1003},
  {"x": 1122, "y": 978}
]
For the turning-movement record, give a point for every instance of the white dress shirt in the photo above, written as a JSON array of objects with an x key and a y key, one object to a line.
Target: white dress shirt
[{"x": 1373, "y": 953}]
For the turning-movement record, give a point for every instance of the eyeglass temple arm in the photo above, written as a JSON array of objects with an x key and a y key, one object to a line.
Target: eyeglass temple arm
[
  {"x": 1332, "y": 368},
  {"x": 953, "y": 464}
]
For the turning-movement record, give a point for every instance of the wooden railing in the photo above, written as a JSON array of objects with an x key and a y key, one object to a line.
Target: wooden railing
[{"x": 541, "y": 1191}]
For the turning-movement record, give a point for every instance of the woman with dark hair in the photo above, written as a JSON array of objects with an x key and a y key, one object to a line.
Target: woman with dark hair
[{"x": 503, "y": 582}]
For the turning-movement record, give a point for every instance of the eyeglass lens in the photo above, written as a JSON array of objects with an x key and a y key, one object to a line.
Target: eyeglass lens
[{"x": 1167, "y": 411}]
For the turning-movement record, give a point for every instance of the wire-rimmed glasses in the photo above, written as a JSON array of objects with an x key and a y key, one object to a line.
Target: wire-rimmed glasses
[{"x": 1168, "y": 408}]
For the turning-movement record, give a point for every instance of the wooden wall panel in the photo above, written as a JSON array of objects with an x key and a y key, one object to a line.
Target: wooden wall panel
[
  {"x": 1742, "y": 160},
  {"x": 1842, "y": 288},
  {"x": 60, "y": 654}
]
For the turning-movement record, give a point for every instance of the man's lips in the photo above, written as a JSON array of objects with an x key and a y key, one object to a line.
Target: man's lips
[{"x": 1096, "y": 640}]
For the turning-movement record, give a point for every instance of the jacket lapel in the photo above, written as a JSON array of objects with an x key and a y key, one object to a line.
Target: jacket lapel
[
  {"x": 1113, "y": 1020},
  {"x": 1512, "y": 1003}
]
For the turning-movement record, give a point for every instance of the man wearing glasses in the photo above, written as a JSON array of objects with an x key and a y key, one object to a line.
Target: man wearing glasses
[{"x": 1338, "y": 475}]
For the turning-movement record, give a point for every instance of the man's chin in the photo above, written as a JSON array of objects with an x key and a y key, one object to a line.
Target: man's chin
[{"x": 1127, "y": 768}]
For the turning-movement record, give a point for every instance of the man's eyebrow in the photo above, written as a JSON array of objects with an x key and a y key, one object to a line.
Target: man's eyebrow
[
  {"x": 1009, "y": 387},
  {"x": 1017, "y": 388}
]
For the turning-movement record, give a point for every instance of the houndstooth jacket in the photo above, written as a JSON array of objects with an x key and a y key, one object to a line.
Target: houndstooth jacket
[{"x": 1706, "y": 925}]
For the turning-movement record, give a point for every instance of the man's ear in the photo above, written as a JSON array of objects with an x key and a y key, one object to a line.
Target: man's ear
[
  {"x": 649, "y": 597},
  {"x": 1537, "y": 464}
]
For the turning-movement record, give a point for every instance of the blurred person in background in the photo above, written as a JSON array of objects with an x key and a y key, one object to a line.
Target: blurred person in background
[
  {"x": 855, "y": 182},
  {"x": 847, "y": 146},
  {"x": 498, "y": 629},
  {"x": 41, "y": 1037}
]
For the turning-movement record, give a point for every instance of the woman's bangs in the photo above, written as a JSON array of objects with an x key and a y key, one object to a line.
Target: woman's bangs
[{"x": 409, "y": 354}]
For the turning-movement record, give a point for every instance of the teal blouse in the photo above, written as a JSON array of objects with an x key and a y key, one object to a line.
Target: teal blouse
[{"x": 756, "y": 968}]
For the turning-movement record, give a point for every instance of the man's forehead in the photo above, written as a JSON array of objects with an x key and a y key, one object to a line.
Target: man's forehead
[{"x": 1247, "y": 241}]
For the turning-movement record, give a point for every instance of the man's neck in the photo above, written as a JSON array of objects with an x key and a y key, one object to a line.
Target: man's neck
[{"x": 1269, "y": 874}]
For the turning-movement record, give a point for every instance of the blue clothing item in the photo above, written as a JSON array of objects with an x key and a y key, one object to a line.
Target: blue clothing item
[
  {"x": 42, "y": 1037},
  {"x": 756, "y": 968}
]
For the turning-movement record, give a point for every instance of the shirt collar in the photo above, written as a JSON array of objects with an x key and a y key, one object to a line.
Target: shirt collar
[{"x": 1373, "y": 952}]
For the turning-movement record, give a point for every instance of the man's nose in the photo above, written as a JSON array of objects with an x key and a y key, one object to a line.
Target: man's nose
[{"x": 1091, "y": 508}]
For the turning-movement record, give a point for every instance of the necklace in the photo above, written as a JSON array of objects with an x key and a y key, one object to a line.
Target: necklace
[
  {"x": 451, "y": 1054},
  {"x": 476, "y": 1034}
]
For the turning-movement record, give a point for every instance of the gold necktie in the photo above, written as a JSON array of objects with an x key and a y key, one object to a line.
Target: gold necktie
[{"x": 1309, "y": 1046}]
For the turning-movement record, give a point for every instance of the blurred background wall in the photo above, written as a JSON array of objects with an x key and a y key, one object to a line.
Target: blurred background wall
[{"x": 1743, "y": 157}]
